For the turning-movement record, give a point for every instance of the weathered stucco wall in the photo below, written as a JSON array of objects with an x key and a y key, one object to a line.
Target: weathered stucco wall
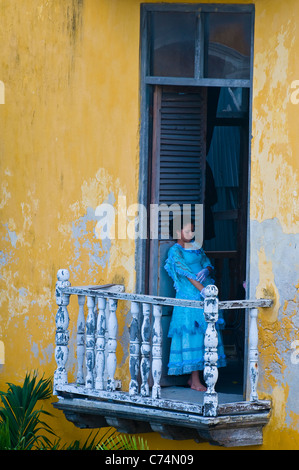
[
  {"x": 274, "y": 212},
  {"x": 70, "y": 141}
]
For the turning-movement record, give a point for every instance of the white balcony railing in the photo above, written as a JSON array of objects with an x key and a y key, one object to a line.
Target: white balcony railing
[{"x": 97, "y": 342}]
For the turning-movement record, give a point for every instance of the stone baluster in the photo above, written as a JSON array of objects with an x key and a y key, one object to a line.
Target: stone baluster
[
  {"x": 134, "y": 363},
  {"x": 145, "y": 350},
  {"x": 112, "y": 333},
  {"x": 80, "y": 340},
  {"x": 157, "y": 351},
  {"x": 90, "y": 343},
  {"x": 62, "y": 333},
  {"x": 210, "y": 402},
  {"x": 253, "y": 354},
  {"x": 100, "y": 344}
]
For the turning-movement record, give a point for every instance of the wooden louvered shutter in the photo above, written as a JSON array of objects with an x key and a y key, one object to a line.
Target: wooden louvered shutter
[{"x": 178, "y": 159}]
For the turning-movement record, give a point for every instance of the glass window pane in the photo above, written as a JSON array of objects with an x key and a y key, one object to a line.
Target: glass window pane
[
  {"x": 228, "y": 47},
  {"x": 173, "y": 44},
  {"x": 233, "y": 102}
]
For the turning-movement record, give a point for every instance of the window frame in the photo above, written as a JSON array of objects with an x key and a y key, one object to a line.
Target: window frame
[{"x": 199, "y": 79}]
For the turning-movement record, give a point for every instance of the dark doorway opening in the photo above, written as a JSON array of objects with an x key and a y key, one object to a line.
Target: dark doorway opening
[{"x": 226, "y": 238}]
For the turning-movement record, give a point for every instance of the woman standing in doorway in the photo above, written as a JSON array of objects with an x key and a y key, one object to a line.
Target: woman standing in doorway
[{"x": 190, "y": 270}]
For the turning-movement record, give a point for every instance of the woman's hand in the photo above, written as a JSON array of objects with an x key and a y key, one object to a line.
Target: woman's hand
[{"x": 202, "y": 275}]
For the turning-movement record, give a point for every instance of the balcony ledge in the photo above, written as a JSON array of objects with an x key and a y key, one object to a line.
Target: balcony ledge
[{"x": 237, "y": 424}]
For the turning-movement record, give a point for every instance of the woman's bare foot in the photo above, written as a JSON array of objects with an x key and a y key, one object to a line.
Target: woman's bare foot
[
  {"x": 195, "y": 383},
  {"x": 199, "y": 387}
]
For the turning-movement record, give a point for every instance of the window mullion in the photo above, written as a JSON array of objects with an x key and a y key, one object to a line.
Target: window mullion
[{"x": 199, "y": 48}]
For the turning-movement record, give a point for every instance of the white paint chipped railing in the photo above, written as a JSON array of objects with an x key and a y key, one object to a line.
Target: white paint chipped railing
[{"x": 97, "y": 339}]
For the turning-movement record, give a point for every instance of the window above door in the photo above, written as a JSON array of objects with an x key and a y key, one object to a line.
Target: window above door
[{"x": 197, "y": 44}]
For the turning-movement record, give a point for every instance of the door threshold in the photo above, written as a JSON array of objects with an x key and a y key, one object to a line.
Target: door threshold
[{"x": 186, "y": 394}]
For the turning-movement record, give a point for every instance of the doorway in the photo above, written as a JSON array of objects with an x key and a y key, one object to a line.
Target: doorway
[{"x": 199, "y": 155}]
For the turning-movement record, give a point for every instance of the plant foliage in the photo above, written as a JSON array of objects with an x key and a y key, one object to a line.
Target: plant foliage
[
  {"x": 22, "y": 426},
  {"x": 112, "y": 440}
]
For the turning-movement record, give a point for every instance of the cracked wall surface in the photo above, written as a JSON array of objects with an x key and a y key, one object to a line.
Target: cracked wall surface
[
  {"x": 274, "y": 213},
  {"x": 274, "y": 274}
]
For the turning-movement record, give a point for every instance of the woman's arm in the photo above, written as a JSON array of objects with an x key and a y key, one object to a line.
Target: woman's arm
[{"x": 196, "y": 284}]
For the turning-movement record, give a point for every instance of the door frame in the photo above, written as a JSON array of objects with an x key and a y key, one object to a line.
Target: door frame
[{"x": 145, "y": 139}]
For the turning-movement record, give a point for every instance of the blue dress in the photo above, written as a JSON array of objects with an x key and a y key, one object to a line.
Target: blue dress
[{"x": 187, "y": 327}]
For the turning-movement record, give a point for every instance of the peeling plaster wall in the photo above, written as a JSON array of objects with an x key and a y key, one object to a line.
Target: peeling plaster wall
[
  {"x": 274, "y": 213},
  {"x": 69, "y": 131},
  {"x": 274, "y": 274},
  {"x": 69, "y": 141}
]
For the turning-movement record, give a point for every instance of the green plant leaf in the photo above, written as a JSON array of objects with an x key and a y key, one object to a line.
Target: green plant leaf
[
  {"x": 18, "y": 410},
  {"x": 22, "y": 426}
]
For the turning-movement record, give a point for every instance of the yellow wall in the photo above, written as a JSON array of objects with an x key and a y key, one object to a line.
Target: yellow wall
[
  {"x": 69, "y": 140},
  {"x": 274, "y": 210}
]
